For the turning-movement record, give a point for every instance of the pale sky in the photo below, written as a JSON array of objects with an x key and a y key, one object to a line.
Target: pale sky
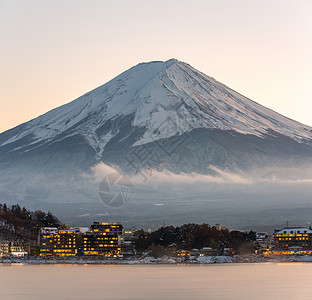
[{"x": 54, "y": 51}]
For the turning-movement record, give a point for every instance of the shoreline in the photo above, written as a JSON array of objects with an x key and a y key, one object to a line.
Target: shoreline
[{"x": 157, "y": 261}]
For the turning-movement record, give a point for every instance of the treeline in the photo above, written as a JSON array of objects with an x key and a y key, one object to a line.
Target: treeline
[
  {"x": 189, "y": 236},
  {"x": 19, "y": 223}
]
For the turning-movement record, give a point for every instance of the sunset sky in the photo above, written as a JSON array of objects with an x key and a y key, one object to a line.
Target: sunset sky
[{"x": 54, "y": 51}]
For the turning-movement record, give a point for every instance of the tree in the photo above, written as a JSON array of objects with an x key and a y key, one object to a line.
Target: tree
[
  {"x": 156, "y": 250},
  {"x": 52, "y": 221},
  {"x": 25, "y": 213},
  {"x": 22, "y": 224},
  {"x": 46, "y": 219}
]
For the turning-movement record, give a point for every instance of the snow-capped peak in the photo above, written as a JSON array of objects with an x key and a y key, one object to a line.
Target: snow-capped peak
[{"x": 153, "y": 93}]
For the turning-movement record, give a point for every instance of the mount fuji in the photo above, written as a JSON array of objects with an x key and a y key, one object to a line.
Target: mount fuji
[{"x": 155, "y": 117}]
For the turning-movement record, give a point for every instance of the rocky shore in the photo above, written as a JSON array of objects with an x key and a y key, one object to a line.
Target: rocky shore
[{"x": 154, "y": 261}]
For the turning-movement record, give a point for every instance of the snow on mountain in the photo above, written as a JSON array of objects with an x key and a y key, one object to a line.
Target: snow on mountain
[
  {"x": 152, "y": 93},
  {"x": 195, "y": 132}
]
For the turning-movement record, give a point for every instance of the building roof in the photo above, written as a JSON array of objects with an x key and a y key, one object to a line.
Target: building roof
[
  {"x": 294, "y": 230},
  {"x": 49, "y": 228},
  {"x": 83, "y": 229}
]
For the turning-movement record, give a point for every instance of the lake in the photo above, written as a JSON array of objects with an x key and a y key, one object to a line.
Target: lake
[{"x": 155, "y": 282}]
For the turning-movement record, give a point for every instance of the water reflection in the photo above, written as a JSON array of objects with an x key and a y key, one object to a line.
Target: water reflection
[{"x": 157, "y": 282}]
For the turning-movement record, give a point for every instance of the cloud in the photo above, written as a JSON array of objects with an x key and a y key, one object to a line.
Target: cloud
[
  {"x": 102, "y": 214},
  {"x": 190, "y": 178},
  {"x": 100, "y": 170},
  {"x": 84, "y": 215},
  {"x": 220, "y": 177}
]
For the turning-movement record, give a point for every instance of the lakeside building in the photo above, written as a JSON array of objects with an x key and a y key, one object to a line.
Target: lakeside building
[
  {"x": 208, "y": 251},
  {"x": 32, "y": 250},
  {"x": 17, "y": 247},
  {"x": 13, "y": 248},
  {"x": 64, "y": 242},
  {"x": 128, "y": 248},
  {"x": 263, "y": 242},
  {"x": 4, "y": 248},
  {"x": 183, "y": 253},
  {"x": 104, "y": 239},
  {"x": 46, "y": 235},
  {"x": 292, "y": 240},
  {"x": 228, "y": 251}
]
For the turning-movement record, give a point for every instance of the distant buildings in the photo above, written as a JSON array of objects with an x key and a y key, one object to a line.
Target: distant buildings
[
  {"x": 128, "y": 248},
  {"x": 208, "y": 251},
  {"x": 17, "y": 247},
  {"x": 103, "y": 239},
  {"x": 263, "y": 242},
  {"x": 64, "y": 242},
  {"x": 14, "y": 248},
  {"x": 292, "y": 240},
  {"x": 4, "y": 248},
  {"x": 110, "y": 240},
  {"x": 46, "y": 240}
]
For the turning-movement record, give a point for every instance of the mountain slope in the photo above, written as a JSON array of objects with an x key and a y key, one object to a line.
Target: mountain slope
[
  {"x": 158, "y": 115},
  {"x": 149, "y": 94}
]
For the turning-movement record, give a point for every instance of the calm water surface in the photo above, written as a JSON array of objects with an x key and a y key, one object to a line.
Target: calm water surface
[{"x": 227, "y": 281}]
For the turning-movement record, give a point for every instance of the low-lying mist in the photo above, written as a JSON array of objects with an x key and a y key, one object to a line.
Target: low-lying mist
[
  {"x": 257, "y": 180},
  {"x": 266, "y": 196}
]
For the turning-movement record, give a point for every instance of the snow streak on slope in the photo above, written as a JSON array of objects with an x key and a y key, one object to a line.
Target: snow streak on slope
[{"x": 153, "y": 93}]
